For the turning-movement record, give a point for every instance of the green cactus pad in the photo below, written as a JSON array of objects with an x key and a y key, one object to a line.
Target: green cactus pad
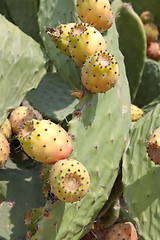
[
  {"x": 98, "y": 143},
  {"x": 150, "y": 81},
  {"x": 51, "y": 14},
  {"x": 52, "y": 98},
  {"x": 23, "y": 192},
  {"x": 24, "y": 15},
  {"x": 152, "y": 6},
  {"x": 18, "y": 53},
  {"x": 141, "y": 177},
  {"x": 132, "y": 42}
]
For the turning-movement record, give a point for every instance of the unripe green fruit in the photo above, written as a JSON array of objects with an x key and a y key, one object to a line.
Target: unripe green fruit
[
  {"x": 60, "y": 37},
  {"x": 69, "y": 180},
  {"x": 4, "y": 150},
  {"x": 146, "y": 17},
  {"x": 84, "y": 41},
  {"x": 136, "y": 113},
  {"x": 151, "y": 31},
  {"x": 5, "y": 129},
  {"x": 97, "y": 13},
  {"x": 19, "y": 116},
  {"x": 45, "y": 141},
  {"x": 153, "y": 146},
  {"x": 100, "y": 72}
]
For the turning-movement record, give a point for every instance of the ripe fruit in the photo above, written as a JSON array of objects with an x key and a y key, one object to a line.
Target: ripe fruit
[
  {"x": 121, "y": 231},
  {"x": 60, "y": 37},
  {"x": 45, "y": 141},
  {"x": 69, "y": 180},
  {"x": 100, "y": 72},
  {"x": 153, "y": 146},
  {"x": 153, "y": 50},
  {"x": 84, "y": 41},
  {"x": 4, "y": 150},
  {"x": 5, "y": 129},
  {"x": 19, "y": 116},
  {"x": 96, "y": 13},
  {"x": 151, "y": 31},
  {"x": 146, "y": 17},
  {"x": 136, "y": 113}
]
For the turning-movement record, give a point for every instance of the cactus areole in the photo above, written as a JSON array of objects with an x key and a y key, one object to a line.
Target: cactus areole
[
  {"x": 45, "y": 141},
  {"x": 69, "y": 180}
]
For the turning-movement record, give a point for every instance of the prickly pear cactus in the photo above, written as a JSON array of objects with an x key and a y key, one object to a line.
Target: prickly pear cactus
[
  {"x": 17, "y": 51},
  {"x": 141, "y": 177},
  {"x": 94, "y": 121},
  {"x": 133, "y": 48}
]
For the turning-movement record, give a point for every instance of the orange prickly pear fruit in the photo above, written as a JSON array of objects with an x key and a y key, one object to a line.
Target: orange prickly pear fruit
[
  {"x": 69, "y": 180},
  {"x": 5, "y": 129},
  {"x": 121, "y": 231},
  {"x": 4, "y": 150},
  {"x": 19, "y": 116},
  {"x": 97, "y": 13},
  {"x": 153, "y": 146},
  {"x": 136, "y": 113},
  {"x": 45, "y": 141},
  {"x": 100, "y": 72}
]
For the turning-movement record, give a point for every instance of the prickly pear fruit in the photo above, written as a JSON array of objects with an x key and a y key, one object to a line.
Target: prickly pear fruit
[
  {"x": 60, "y": 37},
  {"x": 146, "y": 17},
  {"x": 4, "y": 150},
  {"x": 69, "y": 180},
  {"x": 45, "y": 141},
  {"x": 97, "y": 13},
  {"x": 136, "y": 113},
  {"x": 153, "y": 50},
  {"x": 5, "y": 129},
  {"x": 100, "y": 72},
  {"x": 84, "y": 41},
  {"x": 19, "y": 116},
  {"x": 32, "y": 218},
  {"x": 121, "y": 231},
  {"x": 151, "y": 31},
  {"x": 153, "y": 146}
]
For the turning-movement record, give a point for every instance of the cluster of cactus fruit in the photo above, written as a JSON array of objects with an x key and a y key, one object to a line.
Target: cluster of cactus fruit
[{"x": 96, "y": 144}]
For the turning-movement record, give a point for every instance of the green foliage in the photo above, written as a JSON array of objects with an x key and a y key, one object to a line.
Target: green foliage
[
  {"x": 52, "y": 98},
  {"x": 22, "y": 66},
  {"x": 147, "y": 5},
  {"x": 141, "y": 177},
  {"x": 23, "y": 193},
  {"x": 150, "y": 81},
  {"x": 132, "y": 42}
]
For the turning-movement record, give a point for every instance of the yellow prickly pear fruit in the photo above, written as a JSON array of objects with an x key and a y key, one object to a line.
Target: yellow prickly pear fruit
[
  {"x": 60, "y": 37},
  {"x": 136, "y": 113},
  {"x": 84, "y": 41},
  {"x": 97, "y": 13},
  {"x": 4, "y": 150},
  {"x": 69, "y": 180},
  {"x": 45, "y": 141},
  {"x": 5, "y": 129},
  {"x": 19, "y": 116},
  {"x": 100, "y": 72}
]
